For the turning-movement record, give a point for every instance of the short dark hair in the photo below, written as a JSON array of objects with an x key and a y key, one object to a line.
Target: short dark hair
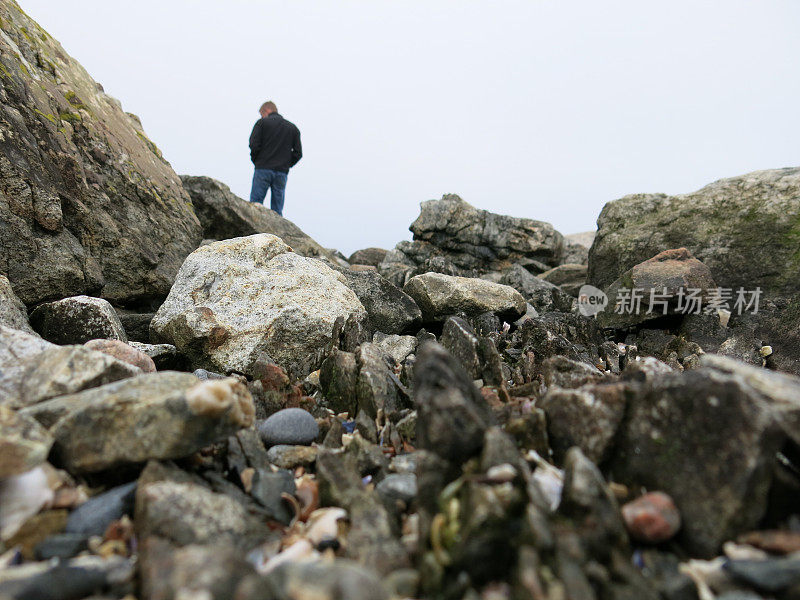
[{"x": 270, "y": 105}]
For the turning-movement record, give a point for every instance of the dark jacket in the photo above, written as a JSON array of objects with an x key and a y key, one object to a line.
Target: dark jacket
[{"x": 275, "y": 144}]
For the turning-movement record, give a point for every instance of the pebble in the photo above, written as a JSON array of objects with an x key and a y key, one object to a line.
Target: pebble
[
  {"x": 268, "y": 489},
  {"x": 290, "y": 457},
  {"x": 124, "y": 352},
  {"x": 96, "y": 514},
  {"x": 61, "y": 545},
  {"x": 292, "y": 426},
  {"x": 773, "y": 575},
  {"x": 652, "y": 518},
  {"x": 204, "y": 375},
  {"x": 398, "y": 486}
]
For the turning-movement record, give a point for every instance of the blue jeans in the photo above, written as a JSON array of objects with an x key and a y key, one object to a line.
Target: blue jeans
[{"x": 265, "y": 179}]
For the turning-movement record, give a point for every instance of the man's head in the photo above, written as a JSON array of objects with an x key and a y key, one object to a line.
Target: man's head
[{"x": 268, "y": 108}]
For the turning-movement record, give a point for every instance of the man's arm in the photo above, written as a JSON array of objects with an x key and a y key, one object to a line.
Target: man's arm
[
  {"x": 297, "y": 148},
  {"x": 255, "y": 141}
]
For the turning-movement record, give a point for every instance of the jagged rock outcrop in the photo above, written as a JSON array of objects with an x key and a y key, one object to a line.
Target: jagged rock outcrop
[
  {"x": 224, "y": 215},
  {"x": 88, "y": 205},
  {"x": 464, "y": 240}
]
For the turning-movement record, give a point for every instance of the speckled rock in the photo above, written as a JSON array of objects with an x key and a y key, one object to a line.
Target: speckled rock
[
  {"x": 24, "y": 444},
  {"x": 12, "y": 311},
  {"x": 15, "y": 347},
  {"x": 237, "y": 300},
  {"x": 155, "y": 415},
  {"x": 63, "y": 370},
  {"x": 442, "y": 295},
  {"x": 77, "y": 320}
]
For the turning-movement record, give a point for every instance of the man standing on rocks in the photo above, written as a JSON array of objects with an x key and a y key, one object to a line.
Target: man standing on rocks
[{"x": 274, "y": 149}]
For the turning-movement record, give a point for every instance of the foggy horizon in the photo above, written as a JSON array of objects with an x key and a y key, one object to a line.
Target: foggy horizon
[{"x": 531, "y": 109}]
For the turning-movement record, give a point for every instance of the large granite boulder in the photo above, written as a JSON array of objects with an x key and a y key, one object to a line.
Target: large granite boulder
[
  {"x": 745, "y": 229},
  {"x": 439, "y": 296},
  {"x": 244, "y": 300},
  {"x": 473, "y": 240},
  {"x": 152, "y": 416},
  {"x": 88, "y": 205},
  {"x": 224, "y": 215}
]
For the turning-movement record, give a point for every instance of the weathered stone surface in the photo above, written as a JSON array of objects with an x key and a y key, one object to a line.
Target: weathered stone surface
[
  {"x": 165, "y": 356},
  {"x": 95, "y": 515},
  {"x": 269, "y": 488},
  {"x": 176, "y": 507},
  {"x": 389, "y": 309},
  {"x": 397, "y": 346},
  {"x": 224, "y": 215},
  {"x": 335, "y": 580},
  {"x": 569, "y": 277},
  {"x": 451, "y": 414},
  {"x": 136, "y": 324},
  {"x": 63, "y": 370},
  {"x": 88, "y": 204},
  {"x": 210, "y": 571},
  {"x": 708, "y": 439},
  {"x": 77, "y": 320},
  {"x": 587, "y": 417},
  {"x": 337, "y": 377},
  {"x": 124, "y": 352},
  {"x": 542, "y": 295},
  {"x": 439, "y": 296},
  {"x": 15, "y": 347},
  {"x": 376, "y": 385},
  {"x": 780, "y": 392},
  {"x": 12, "y": 311},
  {"x": 576, "y": 247},
  {"x": 459, "y": 339},
  {"x": 367, "y": 256},
  {"x": 236, "y": 301},
  {"x": 560, "y": 371},
  {"x": 24, "y": 444},
  {"x": 664, "y": 279},
  {"x": 155, "y": 415},
  {"x": 477, "y": 239},
  {"x": 554, "y": 333}
]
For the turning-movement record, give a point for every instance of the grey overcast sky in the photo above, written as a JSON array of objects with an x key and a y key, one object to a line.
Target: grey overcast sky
[{"x": 544, "y": 109}]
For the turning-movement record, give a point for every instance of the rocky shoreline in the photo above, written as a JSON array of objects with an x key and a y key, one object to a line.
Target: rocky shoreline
[{"x": 199, "y": 401}]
